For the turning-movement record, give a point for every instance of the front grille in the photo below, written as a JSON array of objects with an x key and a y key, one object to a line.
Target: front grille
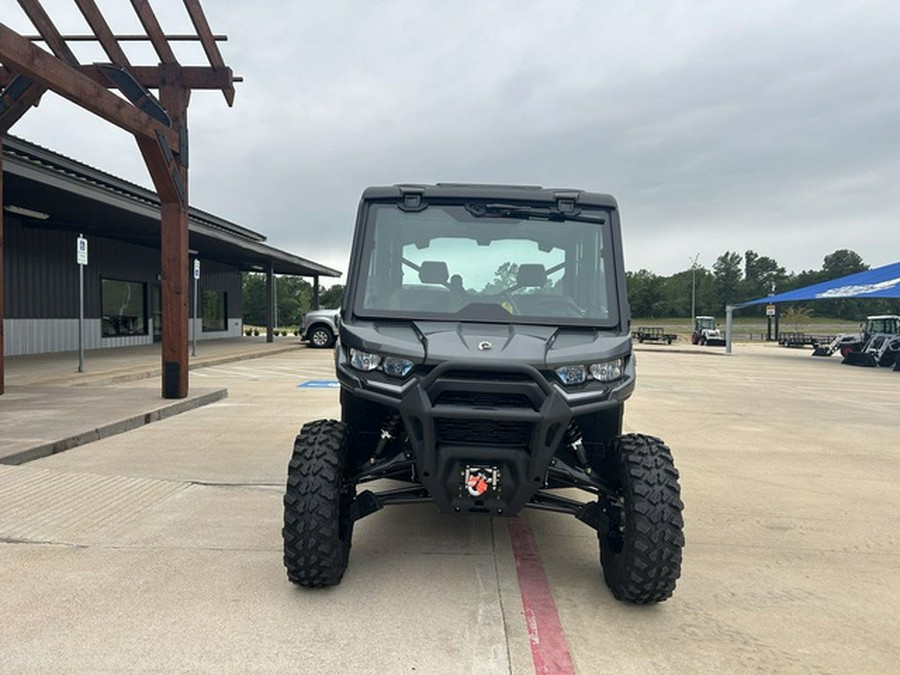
[
  {"x": 482, "y": 432},
  {"x": 483, "y": 399},
  {"x": 491, "y": 375}
]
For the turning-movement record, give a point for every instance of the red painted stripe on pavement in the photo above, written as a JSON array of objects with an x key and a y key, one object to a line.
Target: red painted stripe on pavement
[{"x": 549, "y": 649}]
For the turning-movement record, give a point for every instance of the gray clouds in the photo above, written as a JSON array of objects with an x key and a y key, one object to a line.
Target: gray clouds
[{"x": 769, "y": 126}]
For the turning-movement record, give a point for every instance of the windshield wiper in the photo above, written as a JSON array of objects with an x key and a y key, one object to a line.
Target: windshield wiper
[{"x": 530, "y": 212}]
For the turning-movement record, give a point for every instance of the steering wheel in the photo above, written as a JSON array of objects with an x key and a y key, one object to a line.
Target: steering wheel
[{"x": 558, "y": 305}]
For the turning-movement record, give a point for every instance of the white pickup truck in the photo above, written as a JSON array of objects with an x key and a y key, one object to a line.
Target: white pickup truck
[{"x": 319, "y": 327}]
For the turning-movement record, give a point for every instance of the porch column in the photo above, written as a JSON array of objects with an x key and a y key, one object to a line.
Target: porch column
[{"x": 270, "y": 302}]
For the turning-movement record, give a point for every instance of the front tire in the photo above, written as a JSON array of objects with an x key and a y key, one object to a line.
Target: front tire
[
  {"x": 641, "y": 549},
  {"x": 317, "y": 525},
  {"x": 321, "y": 337}
]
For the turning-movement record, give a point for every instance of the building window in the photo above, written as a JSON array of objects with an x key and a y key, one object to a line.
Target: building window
[
  {"x": 214, "y": 315},
  {"x": 124, "y": 307}
]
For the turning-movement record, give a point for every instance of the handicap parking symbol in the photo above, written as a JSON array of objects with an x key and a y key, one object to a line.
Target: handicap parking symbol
[{"x": 319, "y": 384}]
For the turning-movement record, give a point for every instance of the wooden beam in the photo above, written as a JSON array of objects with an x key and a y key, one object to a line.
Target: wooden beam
[
  {"x": 12, "y": 109},
  {"x": 174, "y": 255},
  {"x": 19, "y": 54},
  {"x": 174, "y": 264},
  {"x": 193, "y": 77},
  {"x": 128, "y": 37},
  {"x": 154, "y": 32},
  {"x": 48, "y": 31},
  {"x": 94, "y": 17},
  {"x": 160, "y": 169},
  {"x": 201, "y": 25}
]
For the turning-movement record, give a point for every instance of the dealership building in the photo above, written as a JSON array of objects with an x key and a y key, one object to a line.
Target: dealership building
[{"x": 57, "y": 212}]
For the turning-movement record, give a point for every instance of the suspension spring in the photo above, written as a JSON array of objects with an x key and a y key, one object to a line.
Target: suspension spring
[
  {"x": 389, "y": 431},
  {"x": 572, "y": 438}
]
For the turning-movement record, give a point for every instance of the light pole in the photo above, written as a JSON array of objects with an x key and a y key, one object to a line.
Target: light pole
[{"x": 694, "y": 286}]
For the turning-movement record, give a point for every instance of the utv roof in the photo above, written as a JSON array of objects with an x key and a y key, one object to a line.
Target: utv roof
[{"x": 462, "y": 191}]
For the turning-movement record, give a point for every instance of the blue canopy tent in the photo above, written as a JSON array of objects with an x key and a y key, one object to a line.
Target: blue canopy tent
[{"x": 881, "y": 282}]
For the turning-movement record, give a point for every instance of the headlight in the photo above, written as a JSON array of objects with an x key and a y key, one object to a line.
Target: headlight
[
  {"x": 364, "y": 360},
  {"x": 605, "y": 371},
  {"x": 396, "y": 367},
  {"x": 572, "y": 374},
  {"x": 392, "y": 366}
]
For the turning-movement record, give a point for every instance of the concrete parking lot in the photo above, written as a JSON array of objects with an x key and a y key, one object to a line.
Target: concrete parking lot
[{"x": 159, "y": 549}]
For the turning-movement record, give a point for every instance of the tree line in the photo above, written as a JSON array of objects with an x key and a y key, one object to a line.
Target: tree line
[
  {"x": 736, "y": 278},
  {"x": 733, "y": 278},
  {"x": 294, "y": 298}
]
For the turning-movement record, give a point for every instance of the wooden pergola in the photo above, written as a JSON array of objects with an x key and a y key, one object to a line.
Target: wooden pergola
[{"x": 158, "y": 123}]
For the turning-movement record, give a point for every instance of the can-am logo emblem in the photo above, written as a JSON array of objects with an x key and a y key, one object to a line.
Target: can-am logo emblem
[{"x": 484, "y": 345}]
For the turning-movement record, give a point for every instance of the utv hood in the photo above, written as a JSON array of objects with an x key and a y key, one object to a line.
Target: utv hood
[{"x": 541, "y": 346}]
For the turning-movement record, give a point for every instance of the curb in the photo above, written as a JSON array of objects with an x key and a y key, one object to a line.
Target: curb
[
  {"x": 121, "y": 376},
  {"x": 113, "y": 428}
]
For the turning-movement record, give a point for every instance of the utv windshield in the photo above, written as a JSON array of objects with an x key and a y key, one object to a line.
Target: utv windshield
[{"x": 484, "y": 262}]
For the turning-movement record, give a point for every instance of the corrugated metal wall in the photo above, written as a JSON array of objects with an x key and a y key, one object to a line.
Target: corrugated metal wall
[
  {"x": 41, "y": 288},
  {"x": 37, "y": 336},
  {"x": 41, "y": 281}
]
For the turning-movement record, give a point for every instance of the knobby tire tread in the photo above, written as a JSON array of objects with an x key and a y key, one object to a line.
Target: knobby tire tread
[
  {"x": 317, "y": 527},
  {"x": 643, "y": 567}
]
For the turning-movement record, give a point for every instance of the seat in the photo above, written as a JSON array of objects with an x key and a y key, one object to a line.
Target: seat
[
  {"x": 433, "y": 272},
  {"x": 531, "y": 275}
]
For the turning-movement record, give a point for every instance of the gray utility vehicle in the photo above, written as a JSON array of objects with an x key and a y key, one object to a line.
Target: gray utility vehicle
[{"x": 484, "y": 361}]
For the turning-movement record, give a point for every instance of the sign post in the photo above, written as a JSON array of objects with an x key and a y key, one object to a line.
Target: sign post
[
  {"x": 81, "y": 257},
  {"x": 194, "y": 318}
]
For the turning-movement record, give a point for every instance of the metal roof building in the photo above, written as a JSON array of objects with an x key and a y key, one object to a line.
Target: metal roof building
[{"x": 49, "y": 200}]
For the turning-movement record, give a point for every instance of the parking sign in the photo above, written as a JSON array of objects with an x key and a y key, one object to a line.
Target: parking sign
[{"x": 81, "y": 251}]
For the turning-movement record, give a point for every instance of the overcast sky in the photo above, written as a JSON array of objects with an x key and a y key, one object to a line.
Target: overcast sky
[{"x": 718, "y": 126}]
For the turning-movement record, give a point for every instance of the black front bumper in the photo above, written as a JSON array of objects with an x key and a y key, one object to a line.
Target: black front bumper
[{"x": 507, "y": 420}]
